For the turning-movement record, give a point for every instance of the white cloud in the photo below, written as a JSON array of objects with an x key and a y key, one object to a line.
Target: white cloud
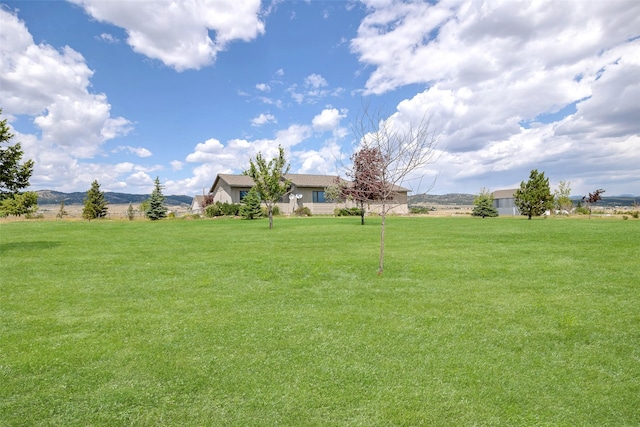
[
  {"x": 176, "y": 165},
  {"x": 263, "y": 87},
  {"x": 315, "y": 81},
  {"x": 139, "y": 179},
  {"x": 138, "y": 151},
  {"x": 109, "y": 38},
  {"x": 497, "y": 74},
  {"x": 178, "y": 32},
  {"x": 263, "y": 119},
  {"x": 328, "y": 119},
  {"x": 315, "y": 87},
  {"x": 52, "y": 86}
]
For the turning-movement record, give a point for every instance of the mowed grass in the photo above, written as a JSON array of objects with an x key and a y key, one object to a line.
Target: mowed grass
[{"x": 227, "y": 323}]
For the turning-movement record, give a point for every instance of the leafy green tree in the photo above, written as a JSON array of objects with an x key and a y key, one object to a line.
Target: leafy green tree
[
  {"x": 484, "y": 205},
  {"x": 269, "y": 179},
  {"x": 562, "y": 197},
  {"x": 19, "y": 204},
  {"x": 144, "y": 206},
  {"x": 251, "y": 208},
  {"x": 534, "y": 198},
  {"x": 95, "y": 205},
  {"x": 14, "y": 176},
  {"x": 157, "y": 209}
]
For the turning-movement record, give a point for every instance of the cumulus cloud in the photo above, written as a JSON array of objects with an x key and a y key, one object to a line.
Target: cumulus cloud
[
  {"x": 328, "y": 119},
  {"x": 263, "y": 119},
  {"x": 263, "y": 87},
  {"x": 233, "y": 156},
  {"x": 502, "y": 78},
  {"x": 53, "y": 87},
  {"x": 315, "y": 81},
  {"x": 178, "y": 32}
]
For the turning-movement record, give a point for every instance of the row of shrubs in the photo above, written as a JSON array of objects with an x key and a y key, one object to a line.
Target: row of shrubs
[
  {"x": 347, "y": 212},
  {"x": 219, "y": 209}
]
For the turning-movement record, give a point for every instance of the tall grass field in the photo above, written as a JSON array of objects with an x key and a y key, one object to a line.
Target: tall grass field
[{"x": 227, "y": 323}]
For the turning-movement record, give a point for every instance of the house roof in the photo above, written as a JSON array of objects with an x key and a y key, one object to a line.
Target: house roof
[
  {"x": 504, "y": 194},
  {"x": 299, "y": 180}
]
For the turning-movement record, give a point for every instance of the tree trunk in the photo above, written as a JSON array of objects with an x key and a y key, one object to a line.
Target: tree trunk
[
  {"x": 361, "y": 216},
  {"x": 381, "y": 265},
  {"x": 383, "y": 215},
  {"x": 269, "y": 208}
]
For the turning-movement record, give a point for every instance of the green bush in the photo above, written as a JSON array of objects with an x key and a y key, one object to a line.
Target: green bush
[
  {"x": 634, "y": 214},
  {"x": 302, "y": 211},
  {"x": 419, "y": 210},
  {"x": 582, "y": 211},
  {"x": 347, "y": 212},
  {"x": 275, "y": 211},
  {"x": 221, "y": 209}
]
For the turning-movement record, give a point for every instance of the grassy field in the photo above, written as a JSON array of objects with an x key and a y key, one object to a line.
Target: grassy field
[{"x": 226, "y": 323}]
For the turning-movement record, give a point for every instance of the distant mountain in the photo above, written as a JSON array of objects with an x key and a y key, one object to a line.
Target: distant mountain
[
  {"x": 454, "y": 199},
  {"x": 457, "y": 199},
  {"x": 49, "y": 197},
  {"x": 613, "y": 201}
]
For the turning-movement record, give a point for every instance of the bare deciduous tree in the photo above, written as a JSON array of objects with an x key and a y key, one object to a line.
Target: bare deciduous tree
[{"x": 396, "y": 154}]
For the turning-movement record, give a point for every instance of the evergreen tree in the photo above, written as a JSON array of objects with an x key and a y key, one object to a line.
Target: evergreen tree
[
  {"x": 251, "y": 205},
  {"x": 131, "y": 213},
  {"x": 19, "y": 204},
  {"x": 534, "y": 197},
  {"x": 156, "y": 209},
  {"x": 95, "y": 205},
  {"x": 484, "y": 205},
  {"x": 14, "y": 176}
]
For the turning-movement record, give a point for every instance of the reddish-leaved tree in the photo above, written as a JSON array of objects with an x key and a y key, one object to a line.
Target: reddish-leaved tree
[
  {"x": 593, "y": 198},
  {"x": 391, "y": 152}
]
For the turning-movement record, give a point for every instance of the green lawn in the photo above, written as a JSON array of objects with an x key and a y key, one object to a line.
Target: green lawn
[{"x": 226, "y": 323}]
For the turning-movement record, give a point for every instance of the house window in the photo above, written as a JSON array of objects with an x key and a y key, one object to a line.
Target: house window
[
  {"x": 243, "y": 194},
  {"x": 318, "y": 197}
]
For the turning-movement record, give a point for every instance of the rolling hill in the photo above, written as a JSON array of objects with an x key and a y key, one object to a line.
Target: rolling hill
[{"x": 49, "y": 197}]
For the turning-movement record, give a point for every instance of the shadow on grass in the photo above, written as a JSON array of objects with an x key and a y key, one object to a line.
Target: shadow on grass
[{"x": 27, "y": 246}]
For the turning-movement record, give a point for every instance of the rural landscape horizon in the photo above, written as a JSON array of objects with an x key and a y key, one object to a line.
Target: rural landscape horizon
[{"x": 317, "y": 213}]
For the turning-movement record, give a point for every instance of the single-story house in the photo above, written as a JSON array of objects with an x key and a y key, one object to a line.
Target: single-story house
[
  {"x": 505, "y": 202},
  {"x": 305, "y": 191}
]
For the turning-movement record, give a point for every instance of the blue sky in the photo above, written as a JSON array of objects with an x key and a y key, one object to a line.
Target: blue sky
[{"x": 126, "y": 91}]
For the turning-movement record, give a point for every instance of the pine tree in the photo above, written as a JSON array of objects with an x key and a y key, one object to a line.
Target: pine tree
[
  {"x": 484, "y": 205},
  {"x": 534, "y": 197},
  {"x": 95, "y": 205},
  {"x": 156, "y": 209},
  {"x": 14, "y": 176},
  {"x": 131, "y": 213},
  {"x": 251, "y": 205}
]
